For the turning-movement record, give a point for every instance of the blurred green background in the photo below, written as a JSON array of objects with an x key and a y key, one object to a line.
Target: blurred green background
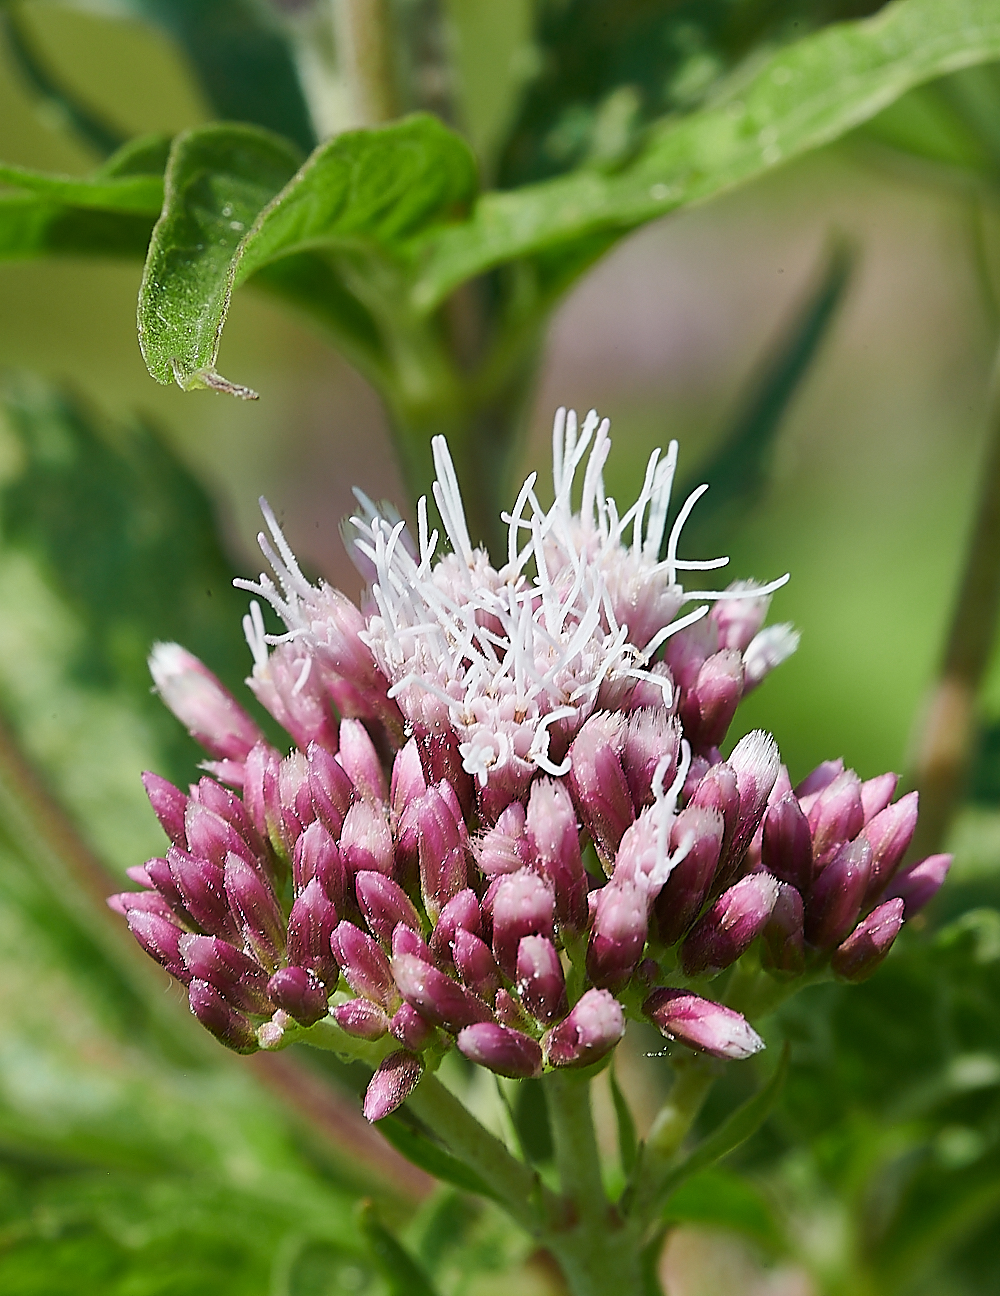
[{"x": 875, "y": 471}]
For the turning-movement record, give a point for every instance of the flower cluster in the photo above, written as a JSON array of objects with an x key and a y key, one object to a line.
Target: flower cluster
[{"x": 506, "y": 820}]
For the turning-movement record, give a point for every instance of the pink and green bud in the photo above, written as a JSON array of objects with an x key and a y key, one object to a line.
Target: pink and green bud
[
  {"x": 207, "y": 709},
  {"x": 918, "y": 884},
  {"x": 361, "y": 762},
  {"x": 503, "y": 849},
  {"x": 621, "y": 922},
  {"x": 330, "y": 789},
  {"x": 298, "y": 992},
  {"x": 228, "y": 1026},
  {"x": 651, "y": 734},
  {"x": 591, "y": 1030},
  {"x": 210, "y": 837},
  {"x": 731, "y": 925},
  {"x": 396, "y": 1078},
  {"x": 169, "y": 804},
  {"x": 861, "y": 953},
  {"x": 836, "y": 816},
  {"x": 835, "y": 902},
  {"x": 553, "y": 844},
  {"x": 783, "y": 949},
  {"x": 435, "y": 995},
  {"x": 413, "y": 1031},
  {"x": 598, "y": 782},
  {"x": 262, "y": 796},
  {"x": 317, "y": 857},
  {"x": 311, "y": 923},
  {"x": 461, "y": 913},
  {"x": 365, "y": 967},
  {"x": 702, "y": 1025},
  {"x": 365, "y": 842},
  {"x": 876, "y": 793},
  {"x": 502, "y": 1050},
  {"x": 889, "y": 834},
  {"x": 707, "y": 709},
  {"x": 407, "y": 941},
  {"x": 202, "y": 888},
  {"x": 361, "y": 1018},
  {"x": 160, "y": 938},
  {"x": 142, "y": 902},
  {"x": 539, "y": 979},
  {"x": 158, "y": 872},
  {"x": 717, "y": 790},
  {"x": 240, "y": 980},
  {"x": 685, "y": 890},
  {"x": 385, "y": 905},
  {"x": 523, "y": 905},
  {"x": 476, "y": 965},
  {"x": 786, "y": 844},
  {"x": 441, "y": 852}
]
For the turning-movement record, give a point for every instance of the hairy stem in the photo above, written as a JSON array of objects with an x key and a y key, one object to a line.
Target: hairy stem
[
  {"x": 365, "y": 48},
  {"x": 944, "y": 746}
]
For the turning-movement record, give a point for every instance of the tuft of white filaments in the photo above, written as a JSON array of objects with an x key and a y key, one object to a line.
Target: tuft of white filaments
[{"x": 511, "y": 659}]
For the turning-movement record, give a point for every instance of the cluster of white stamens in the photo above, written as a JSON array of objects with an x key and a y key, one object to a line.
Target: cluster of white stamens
[{"x": 507, "y": 658}]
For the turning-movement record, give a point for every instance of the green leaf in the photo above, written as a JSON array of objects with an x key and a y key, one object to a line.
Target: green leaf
[
  {"x": 429, "y": 1156},
  {"x": 230, "y": 213},
  {"x": 719, "y": 1197},
  {"x": 218, "y": 180},
  {"x": 137, "y": 193},
  {"x": 802, "y": 97},
  {"x": 733, "y": 1131},
  {"x": 403, "y": 1275},
  {"x": 627, "y": 1142}
]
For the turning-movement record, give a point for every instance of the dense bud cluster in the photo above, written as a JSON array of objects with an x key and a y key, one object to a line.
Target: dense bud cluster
[{"x": 506, "y": 818}]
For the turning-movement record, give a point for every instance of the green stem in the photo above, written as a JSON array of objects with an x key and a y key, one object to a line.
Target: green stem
[
  {"x": 946, "y": 741},
  {"x": 366, "y": 48},
  {"x": 693, "y": 1078},
  {"x": 598, "y": 1251}
]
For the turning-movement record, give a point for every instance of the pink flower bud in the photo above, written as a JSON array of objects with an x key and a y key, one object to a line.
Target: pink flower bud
[
  {"x": 290, "y": 684},
  {"x": 876, "y": 793},
  {"x": 539, "y": 979},
  {"x": 240, "y": 980},
  {"x": 208, "y": 711},
  {"x": 158, "y": 872},
  {"x": 227, "y": 805},
  {"x": 650, "y": 734},
  {"x": 592, "y": 1029},
  {"x": 361, "y": 1018},
  {"x": 299, "y": 993},
  {"x": 435, "y": 996},
  {"x": 833, "y": 906},
  {"x": 168, "y": 804},
  {"x": 501, "y": 1050},
  {"x": 296, "y": 798},
  {"x": 476, "y": 965},
  {"x": 316, "y": 857},
  {"x": 687, "y": 651},
  {"x": 889, "y": 834},
  {"x": 365, "y": 842},
  {"x": 858, "y": 957},
  {"x": 784, "y": 949},
  {"x": 396, "y": 1078},
  {"x": 262, "y": 796},
  {"x": 702, "y": 1025},
  {"x": 737, "y": 620},
  {"x": 366, "y": 969},
  {"x": 142, "y": 902},
  {"x": 311, "y": 923},
  {"x": 412, "y": 1030},
  {"x": 406, "y": 941},
  {"x": 918, "y": 884},
  {"x": 822, "y": 776},
  {"x": 756, "y": 763},
  {"x": 786, "y": 845},
  {"x": 209, "y": 837},
  {"x": 441, "y": 852},
  {"x": 330, "y": 789},
  {"x": 707, "y": 709},
  {"x": 256, "y": 911},
  {"x": 553, "y": 844},
  {"x": 408, "y": 782},
  {"x": 160, "y": 938},
  {"x": 598, "y": 782},
  {"x": 731, "y": 925},
  {"x": 461, "y": 913},
  {"x": 385, "y": 905},
  {"x": 766, "y": 651},
  {"x": 684, "y": 892},
  {"x": 836, "y": 816},
  {"x": 619, "y": 933},
  {"x": 361, "y": 763},
  {"x": 717, "y": 790},
  {"x": 442, "y": 763},
  {"x": 510, "y": 1012},
  {"x": 227, "y": 1025},
  {"x": 524, "y": 905},
  {"x": 503, "y": 849},
  {"x": 202, "y": 888}
]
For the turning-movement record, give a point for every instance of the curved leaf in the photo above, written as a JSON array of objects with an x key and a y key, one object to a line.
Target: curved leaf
[
  {"x": 229, "y": 213},
  {"x": 804, "y": 96},
  {"x": 430, "y": 1156}
]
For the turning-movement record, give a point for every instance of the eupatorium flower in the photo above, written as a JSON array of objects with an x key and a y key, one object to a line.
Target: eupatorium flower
[{"x": 505, "y": 799}]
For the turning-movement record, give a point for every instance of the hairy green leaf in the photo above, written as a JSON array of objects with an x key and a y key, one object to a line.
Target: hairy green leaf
[
  {"x": 804, "y": 96},
  {"x": 627, "y": 1142}
]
